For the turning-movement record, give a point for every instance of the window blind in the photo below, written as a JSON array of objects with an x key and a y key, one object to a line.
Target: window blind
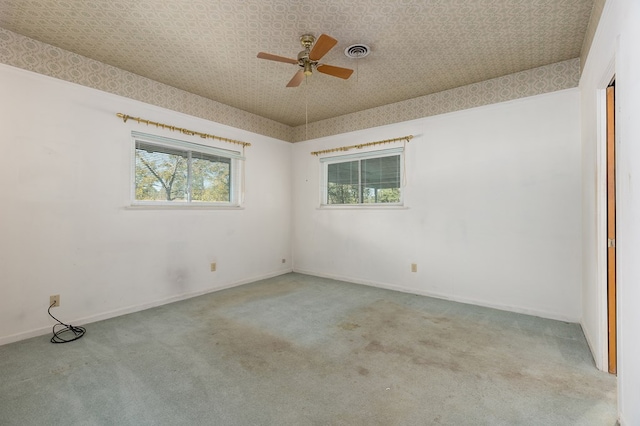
[{"x": 188, "y": 146}]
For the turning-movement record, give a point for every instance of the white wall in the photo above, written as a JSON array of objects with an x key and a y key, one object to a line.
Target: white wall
[
  {"x": 614, "y": 50},
  {"x": 65, "y": 170},
  {"x": 493, "y": 217}
]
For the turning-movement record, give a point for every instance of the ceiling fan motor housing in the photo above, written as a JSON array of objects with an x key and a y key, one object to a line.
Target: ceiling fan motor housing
[{"x": 307, "y": 64}]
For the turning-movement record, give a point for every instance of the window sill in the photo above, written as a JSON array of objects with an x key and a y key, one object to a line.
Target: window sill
[
  {"x": 181, "y": 207},
  {"x": 360, "y": 207}
]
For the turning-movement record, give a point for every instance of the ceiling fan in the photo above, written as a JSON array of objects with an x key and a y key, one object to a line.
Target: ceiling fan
[{"x": 309, "y": 58}]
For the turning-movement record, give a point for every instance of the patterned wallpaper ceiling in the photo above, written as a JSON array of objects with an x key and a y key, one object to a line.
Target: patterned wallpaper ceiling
[{"x": 209, "y": 47}]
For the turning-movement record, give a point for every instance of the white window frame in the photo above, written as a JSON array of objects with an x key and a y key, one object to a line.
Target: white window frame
[
  {"x": 236, "y": 173},
  {"x": 324, "y": 176}
]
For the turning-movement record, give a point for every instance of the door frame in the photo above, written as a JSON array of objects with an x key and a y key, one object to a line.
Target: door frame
[
  {"x": 612, "y": 320},
  {"x": 601, "y": 217}
]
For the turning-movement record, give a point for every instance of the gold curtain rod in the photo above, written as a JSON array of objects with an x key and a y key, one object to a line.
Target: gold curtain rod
[
  {"x": 181, "y": 130},
  {"x": 363, "y": 145}
]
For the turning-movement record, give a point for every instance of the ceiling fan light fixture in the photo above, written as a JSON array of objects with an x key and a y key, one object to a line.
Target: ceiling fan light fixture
[{"x": 307, "y": 68}]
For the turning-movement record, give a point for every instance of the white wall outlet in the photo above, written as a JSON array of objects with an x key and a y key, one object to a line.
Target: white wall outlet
[
  {"x": 213, "y": 266},
  {"x": 54, "y": 301},
  {"x": 414, "y": 267}
]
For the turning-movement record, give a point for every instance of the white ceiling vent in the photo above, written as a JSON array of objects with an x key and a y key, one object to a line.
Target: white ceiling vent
[{"x": 357, "y": 51}]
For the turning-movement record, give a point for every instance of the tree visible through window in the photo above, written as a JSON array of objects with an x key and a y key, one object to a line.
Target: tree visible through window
[
  {"x": 175, "y": 175},
  {"x": 363, "y": 180}
]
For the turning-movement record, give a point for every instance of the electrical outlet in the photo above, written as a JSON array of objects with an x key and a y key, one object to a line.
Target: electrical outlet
[
  {"x": 213, "y": 266},
  {"x": 54, "y": 300},
  {"x": 414, "y": 267},
  {"x": 284, "y": 260}
]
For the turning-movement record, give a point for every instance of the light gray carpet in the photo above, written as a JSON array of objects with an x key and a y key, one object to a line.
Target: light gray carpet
[{"x": 301, "y": 350}]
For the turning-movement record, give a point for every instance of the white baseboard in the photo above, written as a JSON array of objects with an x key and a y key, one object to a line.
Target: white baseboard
[
  {"x": 445, "y": 296},
  {"x": 136, "y": 308}
]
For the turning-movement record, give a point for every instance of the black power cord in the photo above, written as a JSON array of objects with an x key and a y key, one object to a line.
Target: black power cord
[{"x": 78, "y": 332}]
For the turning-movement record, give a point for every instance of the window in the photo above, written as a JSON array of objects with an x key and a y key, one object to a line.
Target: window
[
  {"x": 372, "y": 178},
  {"x": 173, "y": 172}
]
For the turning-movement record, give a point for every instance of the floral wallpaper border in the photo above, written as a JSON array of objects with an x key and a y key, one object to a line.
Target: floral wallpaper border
[
  {"x": 536, "y": 81},
  {"x": 32, "y": 55}
]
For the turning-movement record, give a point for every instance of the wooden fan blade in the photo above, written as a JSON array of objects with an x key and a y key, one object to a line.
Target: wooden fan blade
[
  {"x": 335, "y": 71},
  {"x": 277, "y": 58},
  {"x": 297, "y": 79},
  {"x": 321, "y": 47}
]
